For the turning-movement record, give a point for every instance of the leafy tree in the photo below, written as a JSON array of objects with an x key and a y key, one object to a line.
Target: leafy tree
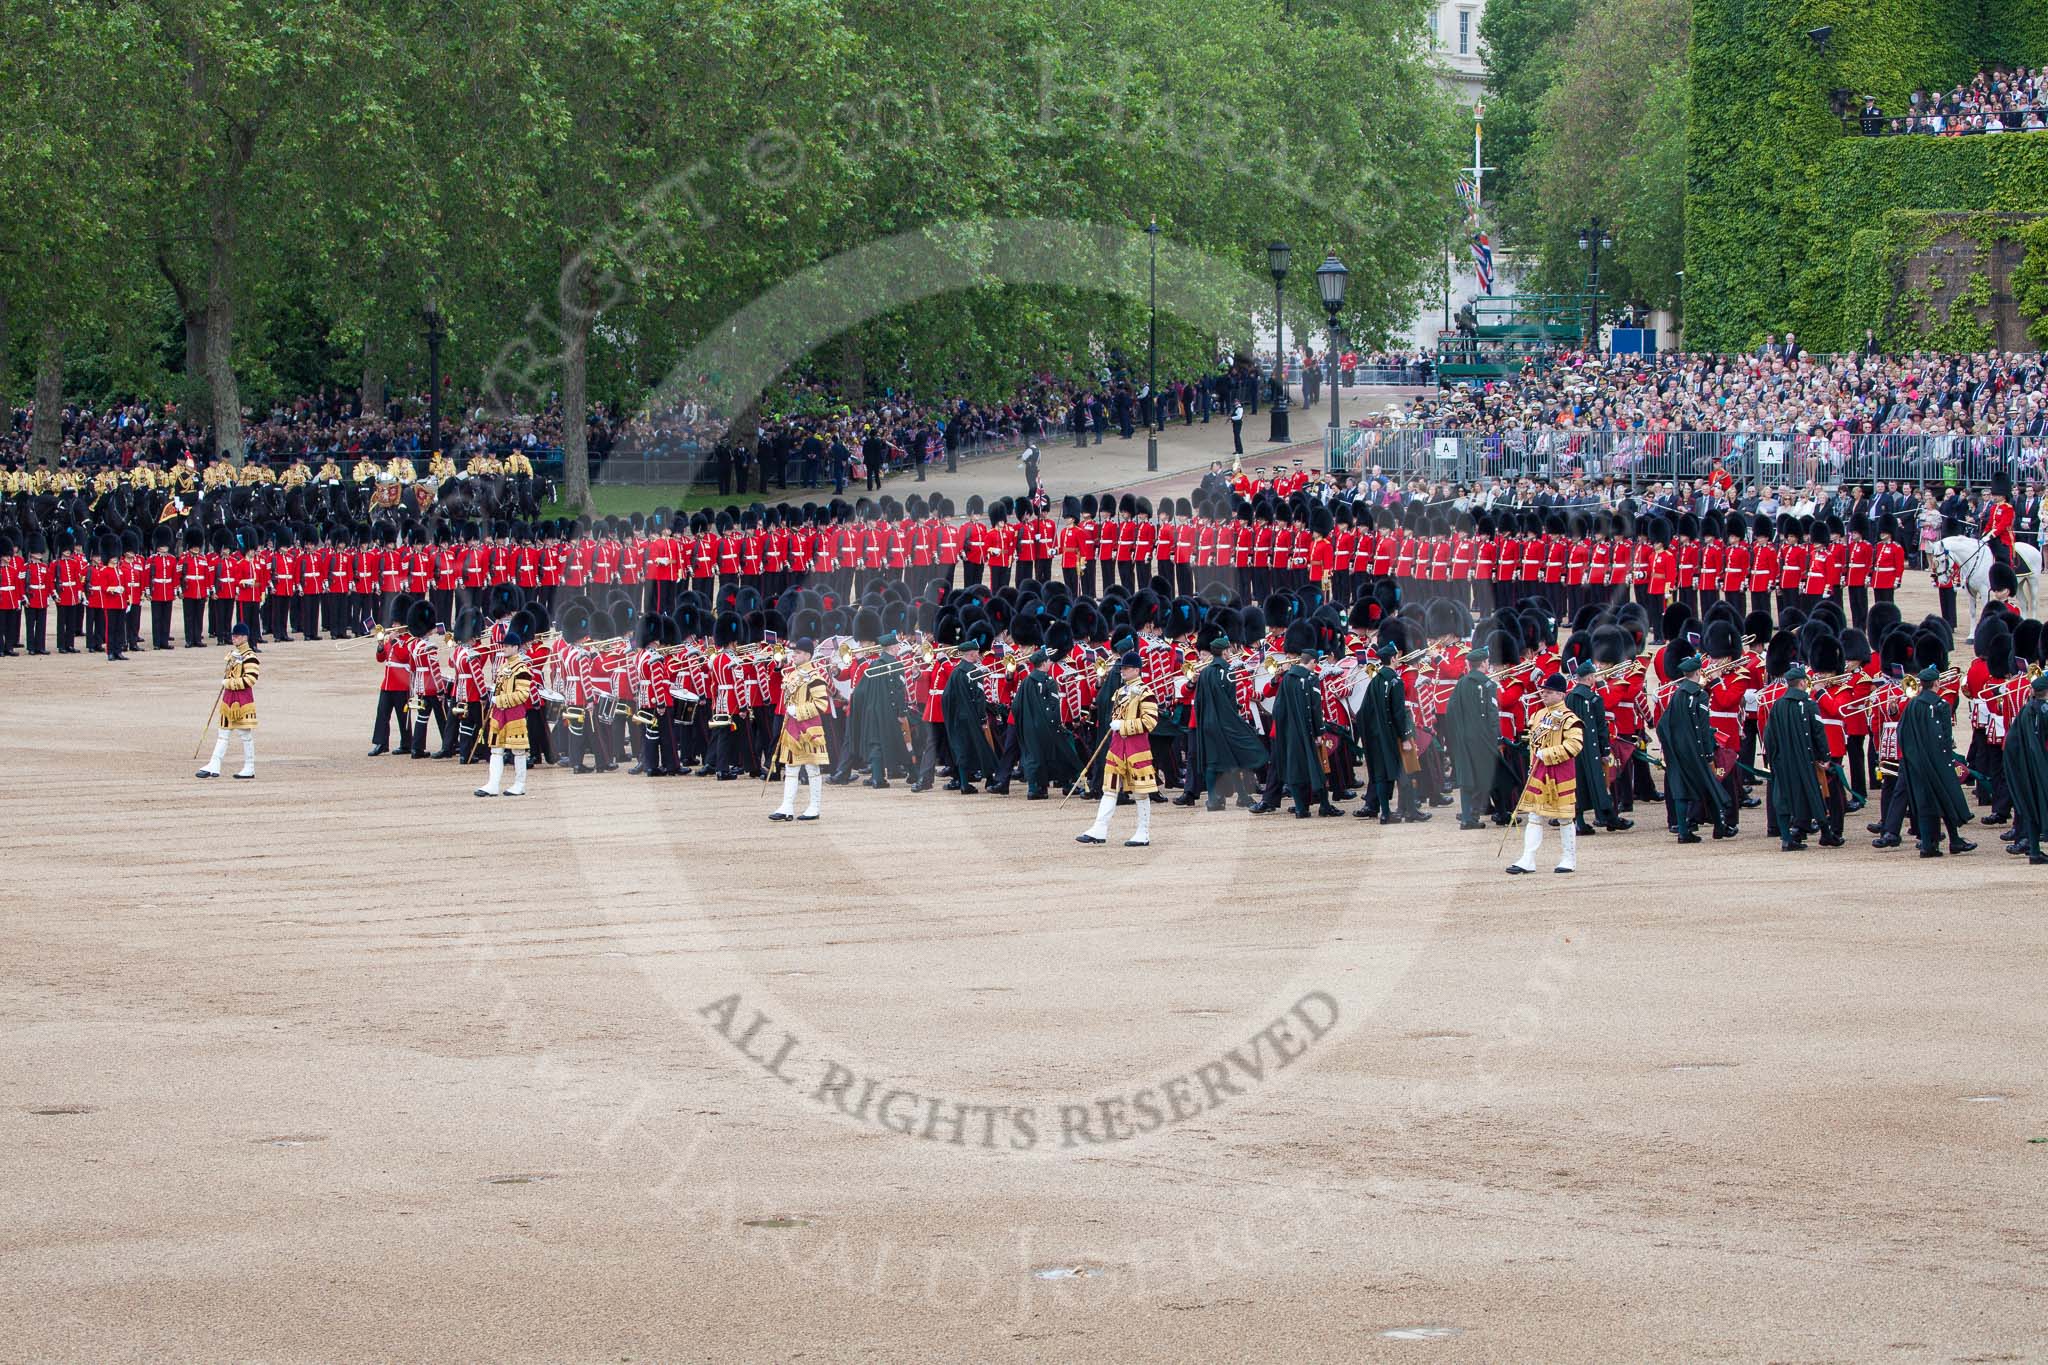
[
  {"x": 1610, "y": 140},
  {"x": 72, "y": 166},
  {"x": 1523, "y": 44}
]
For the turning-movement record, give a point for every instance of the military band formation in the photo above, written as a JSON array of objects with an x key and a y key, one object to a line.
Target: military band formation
[{"x": 1534, "y": 668}]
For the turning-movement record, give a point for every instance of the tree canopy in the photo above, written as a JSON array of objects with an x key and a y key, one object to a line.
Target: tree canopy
[{"x": 221, "y": 201}]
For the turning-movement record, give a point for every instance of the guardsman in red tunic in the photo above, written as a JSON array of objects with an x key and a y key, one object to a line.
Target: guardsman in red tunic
[
  {"x": 973, "y": 543},
  {"x": 1507, "y": 562},
  {"x": 1821, "y": 579},
  {"x": 1485, "y": 548},
  {"x": 1713, "y": 559},
  {"x": 1000, "y": 546},
  {"x": 1186, "y": 546},
  {"x": 72, "y": 575},
  {"x": 1792, "y": 559},
  {"x": 1578, "y": 568},
  {"x": 281, "y": 582},
  {"x": 1998, "y": 519},
  {"x": 1763, "y": 562},
  {"x": 1686, "y": 582},
  {"x": 394, "y": 652},
  {"x": 1663, "y": 576},
  {"x": 134, "y": 586},
  {"x": 1735, "y": 564},
  {"x": 1888, "y": 568},
  {"x": 1556, "y": 561},
  {"x": 470, "y": 662},
  {"x": 312, "y": 582},
  {"x": 13, "y": 592},
  {"x": 39, "y": 584},
  {"x": 162, "y": 567},
  {"x": 1073, "y": 542},
  {"x": 1600, "y": 563},
  {"x": 110, "y": 599}
]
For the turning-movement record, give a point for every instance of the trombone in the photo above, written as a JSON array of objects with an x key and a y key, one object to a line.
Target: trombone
[{"x": 1609, "y": 671}]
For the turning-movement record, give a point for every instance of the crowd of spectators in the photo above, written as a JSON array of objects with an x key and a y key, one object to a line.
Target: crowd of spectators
[
  {"x": 331, "y": 424},
  {"x": 1996, "y": 100},
  {"x": 1779, "y": 389}
]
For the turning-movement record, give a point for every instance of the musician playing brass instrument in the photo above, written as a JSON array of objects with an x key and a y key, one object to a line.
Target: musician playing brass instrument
[{"x": 1551, "y": 793}]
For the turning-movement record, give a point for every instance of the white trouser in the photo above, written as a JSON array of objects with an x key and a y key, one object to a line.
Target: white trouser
[
  {"x": 1107, "y": 807},
  {"x": 220, "y": 751},
  {"x": 811, "y": 773},
  {"x": 498, "y": 772},
  {"x": 1532, "y": 840}
]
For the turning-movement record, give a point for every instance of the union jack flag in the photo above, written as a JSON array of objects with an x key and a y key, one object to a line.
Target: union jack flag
[{"x": 1482, "y": 261}]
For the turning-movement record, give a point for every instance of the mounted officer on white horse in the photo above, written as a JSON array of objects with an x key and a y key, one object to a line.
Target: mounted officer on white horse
[{"x": 1974, "y": 560}]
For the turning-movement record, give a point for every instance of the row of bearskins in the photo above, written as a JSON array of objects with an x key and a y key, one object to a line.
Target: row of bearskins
[{"x": 1275, "y": 545}]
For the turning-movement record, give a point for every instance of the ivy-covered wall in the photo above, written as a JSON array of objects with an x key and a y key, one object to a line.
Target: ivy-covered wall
[
  {"x": 1777, "y": 194},
  {"x": 1939, "y": 281}
]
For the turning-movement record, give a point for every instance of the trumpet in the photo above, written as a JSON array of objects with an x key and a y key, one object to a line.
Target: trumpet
[
  {"x": 1884, "y": 695},
  {"x": 375, "y": 637}
]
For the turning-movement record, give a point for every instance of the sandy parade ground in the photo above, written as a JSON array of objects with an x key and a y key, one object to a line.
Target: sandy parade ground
[{"x": 346, "y": 1064}]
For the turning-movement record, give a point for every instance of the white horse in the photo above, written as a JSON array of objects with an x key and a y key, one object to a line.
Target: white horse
[{"x": 1970, "y": 560}]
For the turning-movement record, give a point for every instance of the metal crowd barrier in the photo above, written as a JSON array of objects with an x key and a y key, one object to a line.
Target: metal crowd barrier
[{"x": 1638, "y": 459}]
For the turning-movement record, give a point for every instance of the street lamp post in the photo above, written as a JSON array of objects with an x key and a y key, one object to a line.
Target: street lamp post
[
  {"x": 437, "y": 332},
  {"x": 1331, "y": 278},
  {"x": 1593, "y": 239},
  {"x": 1152, "y": 355},
  {"x": 1277, "y": 256}
]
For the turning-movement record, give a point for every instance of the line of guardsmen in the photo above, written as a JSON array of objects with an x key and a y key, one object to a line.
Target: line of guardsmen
[
  {"x": 282, "y": 579},
  {"x": 1291, "y": 702}
]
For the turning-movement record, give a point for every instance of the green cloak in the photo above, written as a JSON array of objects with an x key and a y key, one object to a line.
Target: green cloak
[
  {"x": 1382, "y": 723},
  {"x": 1794, "y": 740},
  {"x": 1686, "y": 734},
  {"x": 2026, "y": 768},
  {"x": 1590, "y": 767},
  {"x": 1297, "y": 723},
  {"x": 965, "y": 708},
  {"x": 1224, "y": 740},
  {"x": 1047, "y": 752},
  {"x": 874, "y": 720},
  {"x": 1927, "y": 762},
  {"x": 1472, "y": 732}
]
